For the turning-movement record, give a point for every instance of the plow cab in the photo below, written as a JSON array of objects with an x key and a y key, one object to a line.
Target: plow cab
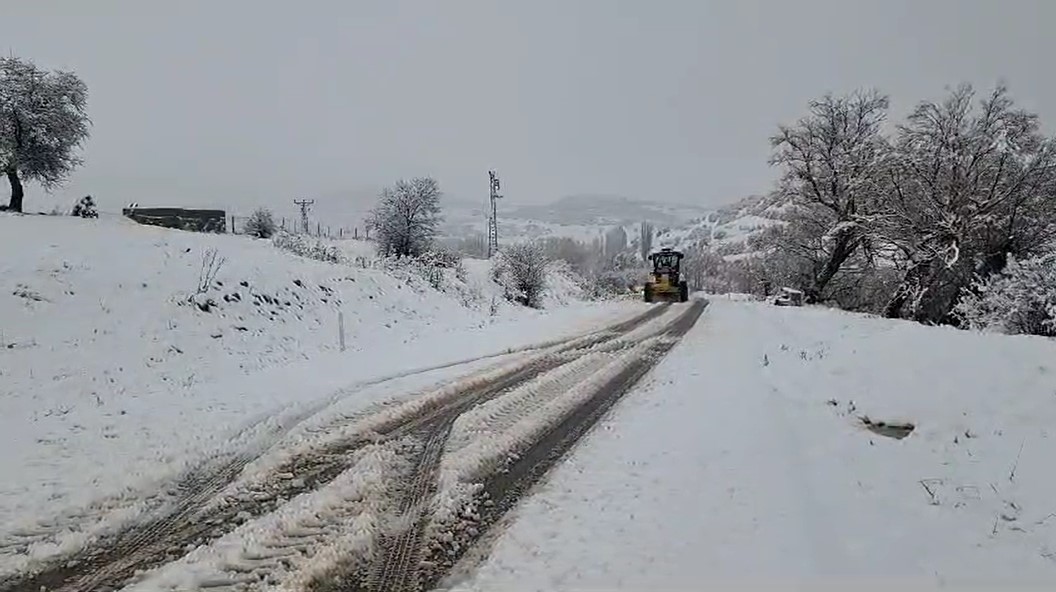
[{"x": 665, "y": 283}]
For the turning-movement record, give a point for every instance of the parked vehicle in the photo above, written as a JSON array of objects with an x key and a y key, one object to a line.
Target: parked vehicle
[{"x": 789, "y": 297}]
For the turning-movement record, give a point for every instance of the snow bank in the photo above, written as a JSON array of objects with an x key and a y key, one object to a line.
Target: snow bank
[
  {"x": 743, "y": 457},
  {"x": 122, "y": 365}
]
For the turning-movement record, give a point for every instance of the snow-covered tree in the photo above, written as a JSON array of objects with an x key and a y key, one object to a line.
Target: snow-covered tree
[
  {"x": 1019, "y": 300},
  {"x": 261, "y": 224},
  {"x": 85, "y": 208},
  {"x": 967, "y": 187},
  {"x": 520, "y": 268},
  {"x": 43, "y": 121},
  {"x": 646, "y": 234},
  {"x": 406, "y": 217},
  {"x": 830, "y": 168},
  {"x": 577, "y": 254},
  {"x": 615, "y": 242}
]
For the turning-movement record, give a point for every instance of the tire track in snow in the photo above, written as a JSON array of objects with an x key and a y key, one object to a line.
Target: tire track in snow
[
  {"x": 434, "y": 535},
  {"x": 196, "y": 518},
  {"x": 105, "y": 520},
  {"x": 495, "y": 493},
  {"x": 402, "y": 548}
]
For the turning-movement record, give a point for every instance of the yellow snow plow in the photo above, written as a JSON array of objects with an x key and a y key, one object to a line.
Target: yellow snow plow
[{"x": 665, "y": 283}]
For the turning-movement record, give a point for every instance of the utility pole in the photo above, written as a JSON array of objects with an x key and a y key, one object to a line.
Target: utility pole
[
  {"x": 493, "y": 222},
  {"x": 305, "y": 205}
]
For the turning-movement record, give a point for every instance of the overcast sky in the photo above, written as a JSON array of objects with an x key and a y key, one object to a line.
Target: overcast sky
[{"x": 230, "y": 102}]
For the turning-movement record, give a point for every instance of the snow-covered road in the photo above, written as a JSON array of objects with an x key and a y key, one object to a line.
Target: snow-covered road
[
  {"x": 390, "y": 493},
  {"x": 742, "y": 459}
]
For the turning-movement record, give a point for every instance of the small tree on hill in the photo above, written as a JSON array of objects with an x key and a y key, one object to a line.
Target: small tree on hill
[
  {"x": 43, "y": 120},
  {"x": 261, "y": 224},
  {"x": 406, "y": 217},
  {"x": 521, "y": 269}
]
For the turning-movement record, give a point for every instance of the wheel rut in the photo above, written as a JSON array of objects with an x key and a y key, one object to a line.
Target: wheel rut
[
  {"x": 195, "y": 518},
  {"x": 413, "y": 559}
]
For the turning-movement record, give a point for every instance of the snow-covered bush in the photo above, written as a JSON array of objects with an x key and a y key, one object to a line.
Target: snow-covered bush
[
  {"x": 441, "y": 257},
  {"x": 85, "y": 208},
  {"x": 521, "y": 271},
  {"x": 563, "y": 284},
  {"x": 442, "y": 269},
  {"x": 261, "y": 224},
  {"x": 1019, "y": 300},
  {"x": 611, "y": 283},
  {"x": 306, "y": 246}
]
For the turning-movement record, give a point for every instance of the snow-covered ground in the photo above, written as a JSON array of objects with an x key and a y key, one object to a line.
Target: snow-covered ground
[
  {"x": 744, "y": 456},
  {"x": 113, "y": 375},
  {"x": 743, "y": 459}
]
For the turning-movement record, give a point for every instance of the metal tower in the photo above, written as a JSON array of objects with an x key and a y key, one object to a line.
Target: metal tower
[
  {"x": 305, "y": 205},
  {"x": 493, "y": 222}
]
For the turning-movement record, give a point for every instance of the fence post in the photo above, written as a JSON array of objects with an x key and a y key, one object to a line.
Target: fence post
[{"x": 341, "y": 328}]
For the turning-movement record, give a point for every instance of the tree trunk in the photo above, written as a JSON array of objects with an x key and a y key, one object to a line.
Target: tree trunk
[
  {"x": 912, "y": 279},
  {"x": 994, "y": 262},
  {"x": 842, "y": 249},
  {"x": 16, "y": 191}
]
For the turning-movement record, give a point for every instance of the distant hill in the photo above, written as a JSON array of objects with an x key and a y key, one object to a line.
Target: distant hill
[
  {"x": 583, "y": 217},
  {"x": 605, "y": 210},
  {"x": 728, "y": 228}
]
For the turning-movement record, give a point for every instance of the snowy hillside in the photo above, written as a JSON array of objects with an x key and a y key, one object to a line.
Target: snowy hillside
[
  {"x": 728, "y": 229},
  {"x": 122, "y": 353},
  {"x": 765, "y": 450}
]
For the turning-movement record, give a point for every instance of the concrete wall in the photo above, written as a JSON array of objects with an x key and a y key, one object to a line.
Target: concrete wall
[{"x": 180, "y": 218}]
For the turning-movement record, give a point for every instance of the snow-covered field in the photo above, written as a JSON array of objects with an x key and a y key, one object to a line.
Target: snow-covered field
[
  {"x": 112, "y": 377},
  {"x": 743, "y": 459}
]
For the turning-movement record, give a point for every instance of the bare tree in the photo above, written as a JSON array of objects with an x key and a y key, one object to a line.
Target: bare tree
[
  {"x": 830, "y": 160},
  {"x": 43, "y": 120},
  {"x": 967, "y": 189},
  {"x": 407, "y": 216}
]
